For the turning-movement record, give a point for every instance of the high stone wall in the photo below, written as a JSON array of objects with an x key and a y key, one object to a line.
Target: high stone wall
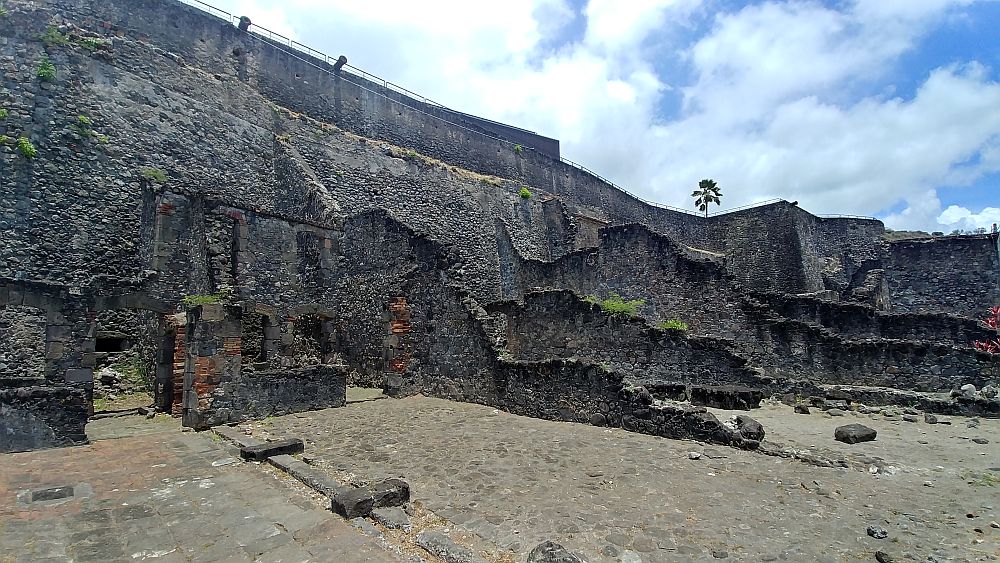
[{"x": 956, "y": 274}]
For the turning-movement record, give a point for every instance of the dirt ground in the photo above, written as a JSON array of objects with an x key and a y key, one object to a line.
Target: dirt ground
[{"x": 611, "y": 495}]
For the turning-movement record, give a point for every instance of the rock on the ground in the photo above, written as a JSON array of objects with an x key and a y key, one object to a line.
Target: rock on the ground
[
  {"x": 969, "y": 391},
  {"x": 883, "y": 557},
  {"x": 551, "y": 552},
  {"x": 877, "y": 532},
  {"x": 392, "y": 517},
  {"x": 854, "y": 433},
  {"x": 930, "y": 418},
  {"x": 441, "y": 546},
  {"x": 802, "y": 409},
  {"x": 747, "y": 428}
]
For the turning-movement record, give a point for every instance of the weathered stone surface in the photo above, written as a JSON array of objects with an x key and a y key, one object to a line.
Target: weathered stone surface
[
  {"x": 440, "y": 545},
  {"x": 391, "y": 492},
  {"x": 551, "y": 552},
  {"x": 727, "y": 397},
  {"x": 854, "y": 433},
  {"x": 263, "y": 451},
  {"x": 392, "y": 517},
  {"x": 352, "y": 503}
]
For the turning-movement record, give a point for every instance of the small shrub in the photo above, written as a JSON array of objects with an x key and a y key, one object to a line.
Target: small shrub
[
  {"x": 52, "y": 37},
  {"x": 92, "y": 43},
  {"x": 518, "y": 149},
  {"x": 615, "y": 305},
  {"x": 84, "y": 121},
  {"x": 4, "y": 140},
  {"x": 525, "y": 192},
  {"x": 101, "y": 138},
  {"x": 154, "y": 174},
  {"x": 3, "y": 10},
  {"x": 26, "y": 149},
  {"x": 674, "y": 324},
  {"x": 3, "y": 113},
  {"x": 224, "y": 294},
  {"x": 992, "y": 320},
  {"x": 46, "y": 70}
]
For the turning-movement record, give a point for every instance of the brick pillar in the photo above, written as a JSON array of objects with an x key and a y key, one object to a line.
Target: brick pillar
[
  {"x": 213, "y": 346},
  {"x": 397, "y": 349},
  {"x": 177, "y": 373}
]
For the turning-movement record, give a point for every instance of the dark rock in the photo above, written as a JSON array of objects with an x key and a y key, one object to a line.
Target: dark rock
[
  {"x": 391, "y": 492},
  {"x": 883, "y": 557},
  {"x": 854, "y": 433},
  {"x": 930, "y": 418},
  {"x": 877, "y": 532},
  {"x": 668, "y": 391},
  {"x": 802, "y": 409},
  {"x": 352, "y": 503},
  {"x": 729, "y": 397},
  {"x": 981, "y": 440},
  {"x": 910, "y": 418},
  {"x": 550, "y": 552},
  {"x": 278, "y": 447},
  {"x": 749, "y": 428},
  {"x": 643, "y": 396},
  {"x": 835, "y": 412},
  {"x": 599, "y": 420}
]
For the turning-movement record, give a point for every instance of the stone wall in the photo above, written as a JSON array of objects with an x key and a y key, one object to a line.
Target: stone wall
[
  {"x": 22, "y": 342},
  {"x": 853, "y": 321},
  {"x": 558, "y": 324},
  {"x": 257, "y": 394},
  {"x": 42, "y": 416},
  {"x": 956, "y": 274}
]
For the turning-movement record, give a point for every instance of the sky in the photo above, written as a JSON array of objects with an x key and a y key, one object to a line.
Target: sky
[{"x": 884, "y": 108}]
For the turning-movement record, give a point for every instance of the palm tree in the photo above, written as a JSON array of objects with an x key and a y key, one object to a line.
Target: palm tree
[{"x": 708, "y": 192}]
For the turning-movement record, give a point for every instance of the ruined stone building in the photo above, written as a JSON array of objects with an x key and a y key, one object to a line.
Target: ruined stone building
[{"x": 264, "y": 229}]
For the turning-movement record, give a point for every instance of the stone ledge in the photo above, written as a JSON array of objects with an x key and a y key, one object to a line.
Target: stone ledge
[{"x": 261, "y": 452}]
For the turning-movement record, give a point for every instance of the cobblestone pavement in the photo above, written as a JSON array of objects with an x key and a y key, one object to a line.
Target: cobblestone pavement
[
  {"x": 612, "y": 495},
  {"x": 163, "y": 496}
]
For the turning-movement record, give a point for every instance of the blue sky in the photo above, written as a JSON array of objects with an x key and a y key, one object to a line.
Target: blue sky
[{"x": 888, "y": 108}]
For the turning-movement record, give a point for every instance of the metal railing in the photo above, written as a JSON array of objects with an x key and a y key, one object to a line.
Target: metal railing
[
  {"x": 837, "y": 216},
  {"x": 279, "y": 40}
]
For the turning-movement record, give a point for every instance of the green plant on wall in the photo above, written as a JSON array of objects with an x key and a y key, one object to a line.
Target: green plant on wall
[
  {"x": 518, "y": 149},
  {"x": 53, "y": 38},
  {"x": 26, "y": 149},
  {"x": 525, "y": 192},
  {"x": 674, "y": 324},
  {"x": 195, "y": 300},
  {"x": 3, "y": 113},
  {"x": 154, "y": 174},
  {"x": 92, "y": 43},
  {"x": 46, "y": 70},
  {"x": 4, "y": 140},
  {"x": 615, "y": 305}
]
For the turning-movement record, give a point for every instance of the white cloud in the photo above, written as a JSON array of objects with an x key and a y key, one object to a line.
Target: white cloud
[{"x": 779, "y": 101}]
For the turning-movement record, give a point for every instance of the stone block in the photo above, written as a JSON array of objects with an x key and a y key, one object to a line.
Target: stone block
[
  {"x": 854, "y": 433},
  {"x": 263, "y": 451},
  {"x": 352, "y": 503},
  {"x": 391, "y": 492},
  {"x": 729, "y": 397},
  {"x": 79, "y": 375}
]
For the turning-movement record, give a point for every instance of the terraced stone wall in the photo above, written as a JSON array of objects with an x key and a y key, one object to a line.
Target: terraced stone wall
[{"x": 558, "y": 324}]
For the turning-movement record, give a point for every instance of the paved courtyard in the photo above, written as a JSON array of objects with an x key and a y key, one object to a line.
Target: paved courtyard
[
  {"x": 612, "y": 495},
  {"x": 156, "y": 494}
]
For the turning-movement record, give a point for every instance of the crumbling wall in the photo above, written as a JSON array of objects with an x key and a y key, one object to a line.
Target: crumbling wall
[
  {"x": 558, "y": 324},
  {"x": 42, "y": 416},
  {"x": 857, "y": 322},
  {"x": 956, "y": 274}
]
